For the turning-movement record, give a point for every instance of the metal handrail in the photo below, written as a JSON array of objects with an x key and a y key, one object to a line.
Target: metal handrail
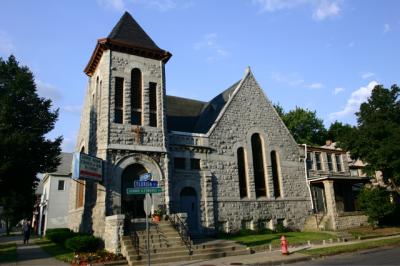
[
  {"x": 183, "y": 231},
  {"x": 133, "y": 236}
]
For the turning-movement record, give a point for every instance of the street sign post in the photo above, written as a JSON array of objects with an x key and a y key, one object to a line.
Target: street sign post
[{"x": 145, "y": 186}]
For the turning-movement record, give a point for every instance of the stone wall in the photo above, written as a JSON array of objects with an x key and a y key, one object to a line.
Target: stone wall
[
  {"x": 249, "y": 112},
  {"x": 351, "y": 220},
  {"x": 114, "y": 230}
]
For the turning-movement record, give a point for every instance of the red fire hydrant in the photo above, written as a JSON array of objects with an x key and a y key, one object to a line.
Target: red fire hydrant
[{"x": 284, "y": 245}]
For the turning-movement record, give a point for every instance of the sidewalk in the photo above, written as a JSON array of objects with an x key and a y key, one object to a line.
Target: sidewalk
[
  {"x": 271, "y": 257},
  {"x": 31, "y": 254}
]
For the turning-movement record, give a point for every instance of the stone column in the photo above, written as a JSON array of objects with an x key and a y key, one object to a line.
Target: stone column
[
  {"x": 208, "y": 199},
  {"x": 114, "y": 230},
  {"x": 330, "y": 202}
]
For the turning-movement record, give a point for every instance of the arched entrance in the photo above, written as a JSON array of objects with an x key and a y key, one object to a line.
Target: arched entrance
[
  {"x": 132, "y": 205},
  {"x": 189, "y": 204}
]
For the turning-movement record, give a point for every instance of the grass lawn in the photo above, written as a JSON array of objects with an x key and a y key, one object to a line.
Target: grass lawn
[
  {"x": 369, "y": 232},
  {"x": 8, "y": 252},
  {"x": 55, "y": 250},
  {"x": 353, "y": 247},
  {"x": 274, "y": 239}
]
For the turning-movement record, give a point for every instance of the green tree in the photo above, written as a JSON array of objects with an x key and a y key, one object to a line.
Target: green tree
[
  {"x": 375, "y": 202},
  {"x": 339, "y": 132},
  {"x": 279, "y": 109},
  {"x": 376, "y": 139},
  {"x": 25, "y": 119},
  {"x": 305, "y": 126}
]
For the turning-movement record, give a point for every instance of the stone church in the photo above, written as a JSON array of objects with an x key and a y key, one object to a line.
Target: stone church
[{"x": 226, "y": 164}]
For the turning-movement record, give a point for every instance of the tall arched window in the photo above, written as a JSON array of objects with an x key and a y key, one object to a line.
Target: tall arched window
[
  {"x": 258, "y": 165},
  {"x": 153, "y": 103},
  {"x": 275, "y": 174},
  {"x": 119, "y": 100},
  {"x": 242, "y": 172},
  {"x": 136, "y": 97}
]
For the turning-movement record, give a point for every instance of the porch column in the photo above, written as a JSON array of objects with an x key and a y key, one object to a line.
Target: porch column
[{"x": 330, "y": 202}]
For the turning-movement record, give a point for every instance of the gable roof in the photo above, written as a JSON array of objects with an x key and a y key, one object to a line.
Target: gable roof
[
  {"x": 126, "y": 37},
  {"x": 194, "y": 116},
  {"x": 129, "y": 31}
]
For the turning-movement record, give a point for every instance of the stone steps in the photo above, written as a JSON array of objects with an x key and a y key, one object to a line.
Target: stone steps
[{"x": 166, "y": 246}]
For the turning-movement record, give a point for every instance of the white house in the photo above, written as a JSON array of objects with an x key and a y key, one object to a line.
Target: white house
[{"x": 55, "y": 196}]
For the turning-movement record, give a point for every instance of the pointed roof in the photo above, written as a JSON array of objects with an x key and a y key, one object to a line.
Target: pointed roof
[
  {"x": 127, "y": 37},
  {"x": 129, "y": 31}
]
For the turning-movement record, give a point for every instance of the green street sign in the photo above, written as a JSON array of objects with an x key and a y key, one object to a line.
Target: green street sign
[{"x": 143, "y": 190}]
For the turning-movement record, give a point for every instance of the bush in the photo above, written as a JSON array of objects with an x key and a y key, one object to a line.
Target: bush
[
  {"x": 83, "y": 243},
  {"x": 280, "y": 228},
  {"x": 59, "y": 235},
  {"x": 375, "y": 202}
]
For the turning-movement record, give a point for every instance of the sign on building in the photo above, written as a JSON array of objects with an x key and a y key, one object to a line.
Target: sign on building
[{"x": 87, "y": 167}]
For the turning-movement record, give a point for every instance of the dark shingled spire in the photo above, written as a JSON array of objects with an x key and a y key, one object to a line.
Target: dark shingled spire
[{"x": 129, "y": 31}]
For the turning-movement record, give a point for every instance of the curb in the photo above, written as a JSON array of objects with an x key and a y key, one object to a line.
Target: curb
[{"x": 285, "y": 261}]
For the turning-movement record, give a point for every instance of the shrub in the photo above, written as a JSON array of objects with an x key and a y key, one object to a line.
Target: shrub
[
  {"x": 280, "y": 228},
  {"x": 375, "y": 202},
  {"x": 59, "y": 235},
  {"x": 83, "y": 243},
  {"x": 265, "y": 231}
]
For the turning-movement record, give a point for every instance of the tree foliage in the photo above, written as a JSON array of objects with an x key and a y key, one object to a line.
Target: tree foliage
[
  {"x": 376, "y": 139},
  {"x": 339, "y": 132},
  {"x": 376, "y": 204},
  {"x": 25, "y": 119},
  {"x": 304, "y": 125}
]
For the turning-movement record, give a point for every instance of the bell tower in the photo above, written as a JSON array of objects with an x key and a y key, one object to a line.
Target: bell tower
[{"x": 126, "y": 91}]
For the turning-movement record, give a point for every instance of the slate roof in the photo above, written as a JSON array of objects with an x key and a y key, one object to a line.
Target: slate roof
[
  {"x": 194, "y": 116},
  {"x": 129, "y": 31},
  {"x": 65, "y": 164}
]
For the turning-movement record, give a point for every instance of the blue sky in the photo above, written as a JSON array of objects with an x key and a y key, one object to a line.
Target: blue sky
[{"x": 324, "y": 55}]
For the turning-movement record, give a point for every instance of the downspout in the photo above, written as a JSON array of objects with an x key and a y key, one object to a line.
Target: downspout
[{"x": 306, "y": 176}]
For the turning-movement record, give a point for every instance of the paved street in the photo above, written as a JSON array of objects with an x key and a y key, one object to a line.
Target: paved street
[{"x": 381, "y": 256}]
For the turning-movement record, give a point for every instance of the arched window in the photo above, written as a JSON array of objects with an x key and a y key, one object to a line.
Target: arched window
[
  {"x": 258, "y": 165},
  {"x": 136, "y": 97},
  {"x": 119, "y": 100},
  {"x": 242, "y": 172},
  {"x": 153, "y": 103},
  {"x": 275, "y": 174}
]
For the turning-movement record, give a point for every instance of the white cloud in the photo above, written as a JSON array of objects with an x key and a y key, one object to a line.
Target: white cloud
[
  {"x": 291, "y": 79},
  {"x": 212, "y": 47},
  {"x": 322, "y": 9},
  {"x": 316, "y": 85},
  {"x": 47, "y": 90},
  {"x": 118, "y": 5},
  {"x": 275, "y": 5},
  {"x": 6, "y": 45},
  {"x": 386, "y": 28},
  {"x": 326, "y": 9},
  {"x": 353, "y": 103},
  {"x": 367, "y": 75},
  {"x": 338, "y": 90},
  {"x": 73, "y": 109}
]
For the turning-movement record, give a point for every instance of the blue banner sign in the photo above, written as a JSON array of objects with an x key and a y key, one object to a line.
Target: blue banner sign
[{"x": 139, "y": 183}]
